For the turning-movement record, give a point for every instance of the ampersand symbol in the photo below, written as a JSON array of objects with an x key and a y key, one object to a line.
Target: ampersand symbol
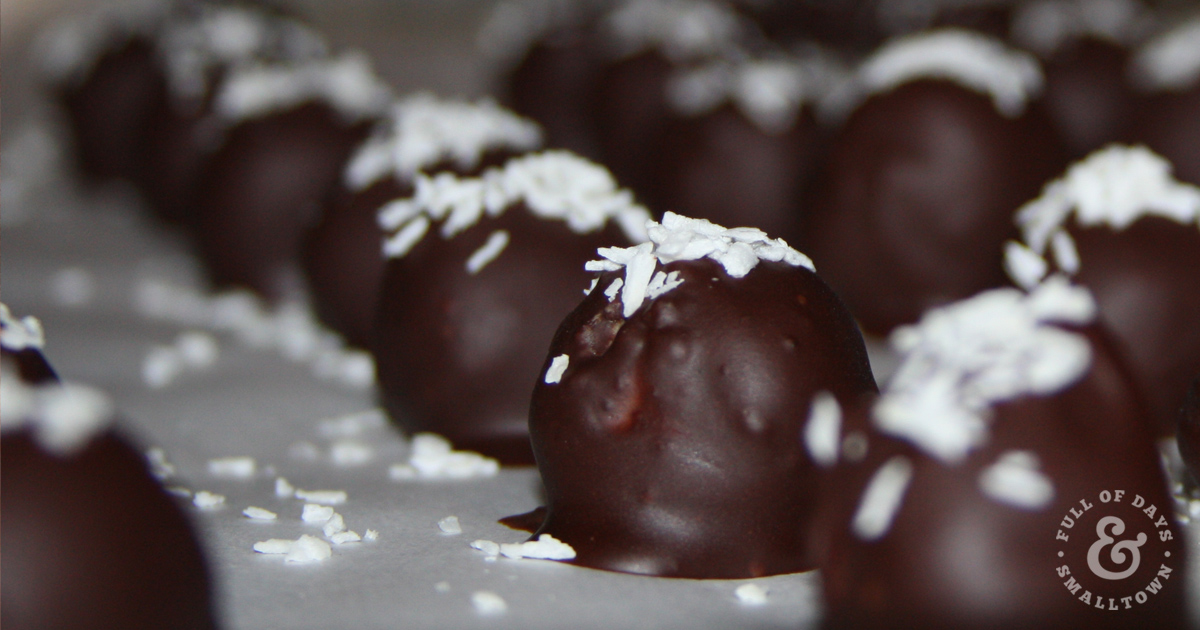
[{"x": 1118, "y": 550}]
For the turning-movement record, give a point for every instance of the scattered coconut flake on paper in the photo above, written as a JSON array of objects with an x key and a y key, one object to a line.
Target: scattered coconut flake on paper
[
  {"x": 344, "y": 537},
  {"x": 259, "y": 514},
  {"x": 683, "y": 30},
  {"x": 431, "y": 456},
  {"x": 738, "y": 250},
  {"x": 206, "y": 500},
  {"x": 232, "y": 467},
  {"x": 313, "y": 513},
  {"x": 1015, "y": 479},
  {"x": 751, "y": 594},
  {"x": 488, "y": 252},
  {"x": 487, "y": 603},
  {"x": 64, "y": 417},
  {"x": 20, "y": 334},
  {"x": 371, "y": 535},
  {"x": 450, "y": 525},
  {"x": 283, "y": 489},
  {"x": 274, "y": 546},
  {"x": 346, "y": 83},
  {"x": 160, "y": 468},
  {"x": 335, "y": 525},
  {"x": 304, "y": 549},
  {"x": 324, "y": 497},
  {"x": 546, "y": 547}
]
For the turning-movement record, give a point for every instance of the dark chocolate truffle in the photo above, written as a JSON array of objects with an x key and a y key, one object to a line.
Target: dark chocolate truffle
[
  {"x": 1009, "y": 444},
  {"x": 343, "y": 258},
  {"x": 292, "y": 130},
  {"x": 196, "y": 51},
  {"x": 1167, "y": 117},
  {"x": 914, "y": 201},
  {"x": 1123, "y": 227},
  {"x": 465, "y": 314},
  {"x": 666, "y": 418},
  {"x": 102, "y": 67},
  {"x": 91, "y": 540}
]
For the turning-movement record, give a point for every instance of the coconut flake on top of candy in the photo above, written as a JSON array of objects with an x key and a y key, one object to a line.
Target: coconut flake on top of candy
[
  {"x": 769, "y": 92},
  {"x": 555, "y": 185},
  {"x": 738, "y": 250},
  {"x": 1170, "y": 61},
  {"x": 683, "y": 30},
  {"x": 17, "y": 334},
  {"x": 67, "y": 49},
  {"x": 1114, "y": 186},
  {"x": 423, "y": 130},
  {"x": 983, "y": 64},
  {"x": 230, "y": 35},
  {"x": 345, "y": 82},
  {"x": 63, "y": 417},
  {"x": 960, "y": 360},
  {"x": 1045, "y": 26}
]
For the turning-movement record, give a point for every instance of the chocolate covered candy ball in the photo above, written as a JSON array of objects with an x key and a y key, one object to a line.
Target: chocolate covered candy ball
[
  {"x": 1122, "y": 226},
  {"x": 1007, "y": 437},
  {"x": 913, "y": 204},
  {"x": 481, "y": 271},
  {"x": 665, "y": 420},
  {"x": 343, "y": 256},
  {"x": 1167, "y": 116}
]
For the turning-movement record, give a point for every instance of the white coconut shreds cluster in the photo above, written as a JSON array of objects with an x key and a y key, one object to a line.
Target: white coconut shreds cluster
[
  {"x": 556, "y": 185},
  {"x": 984, "y": 64},
  {"x": 1170, "y": 61},
  {"x": 423, "y": 130},
  {"x": 1046, "y": 25},
  {"x": 17, "y": 334},
  {"x": 63, "y": 417},
  {"x": 738, "y": 250},
  {"x": 768, "y": 92},
  {"x": 230, "y": 35},
  {"x": 1113, "y": 187},
  {"x": 68, "y": 49},
  {"x": 682, "y": 30},
  {"x": 345, "y": 82},
  {"x": 961, "y": 360}
]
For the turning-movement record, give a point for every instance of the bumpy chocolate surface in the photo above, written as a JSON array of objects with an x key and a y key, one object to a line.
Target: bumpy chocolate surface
[
  {"x": 916, "y": 199},
  {"x": 92, "y": 541},
  {"x": 458, "y": 353},
  {"x": 263, "y": 189},
  {"x": 108, "y": 110},
  {"x": 956, "y": 558},
  {"x": 1188, "y": 434},
  {"x": 1146, "y": 279},
  {"x": 670, "y": 445}
]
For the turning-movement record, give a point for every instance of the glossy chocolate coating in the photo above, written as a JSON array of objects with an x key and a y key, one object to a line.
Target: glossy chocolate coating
[
  {"x": 670, "y": 445},
  {"x": 916, "y": 199},
  {"x": 108, "y": 110},
  {"x": 1188, "y": 430},
  {"x": 724, "y": 168},
  {"x": 263, "y": 189},
  {"x": 456, "y": 353},
  {"x": 343, "y": 256},
  {"x": 93, "y": 541},
  {"x": 1087, "y": 95},
  {"x": 1169, "y": 123},
  {"x": 955, "y": 558},
  {"x": 1146, "y": 279}
]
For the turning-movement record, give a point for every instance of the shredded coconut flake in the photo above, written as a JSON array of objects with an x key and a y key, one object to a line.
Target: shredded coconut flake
[
  {"x": 751, "y": 594},
  {"x": 371, "y": 535},
  {"x": 822, "y": 434},
  {"x": 546, "y": 547},
  {"x": 1115, "y": 187},
  {"x": 960, "y": 360},
  {"x": 1044, "y": 26},
  {"x": 342, "y": 538},
  {"x": 160, "y": 468},
  {"x": 259, "y": 514},
  {"x": 19, "y": 334},
  {"x": 206, "y": 500},
  {"x": 1011, "y": 78},
  {"x": 487, "y": 252},
  {"x": 323, "y": 497},
  {"x": 64, "y": 417},
  {"x": 487, "y": 603},
  {"x": 1171, "y": 61},
  {"x": 450, "y": 525},
  {"x": 335, "y": 525},
  {"x": 274, "y": 546},
  {"x": 432, "y": 457},
  {"x": 558, "y": 365},
  {"x": 232, "y": 467},
  {"x": 486, "y": 546},
  {"x": 348, "y": 453},
  {"x": 682, "y": 30},
  {"x": 881, "y": 499},
  {"x": 554, "y": 185},
  {"x": 346, "y": 83},
  {"x": 423, "y": 130},
  {"x": 308, "y": 549},
  {"x": 681, "y": 238},
  {"x": 1015, "y": 480},
  {"x": 283, "y": 489}
]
